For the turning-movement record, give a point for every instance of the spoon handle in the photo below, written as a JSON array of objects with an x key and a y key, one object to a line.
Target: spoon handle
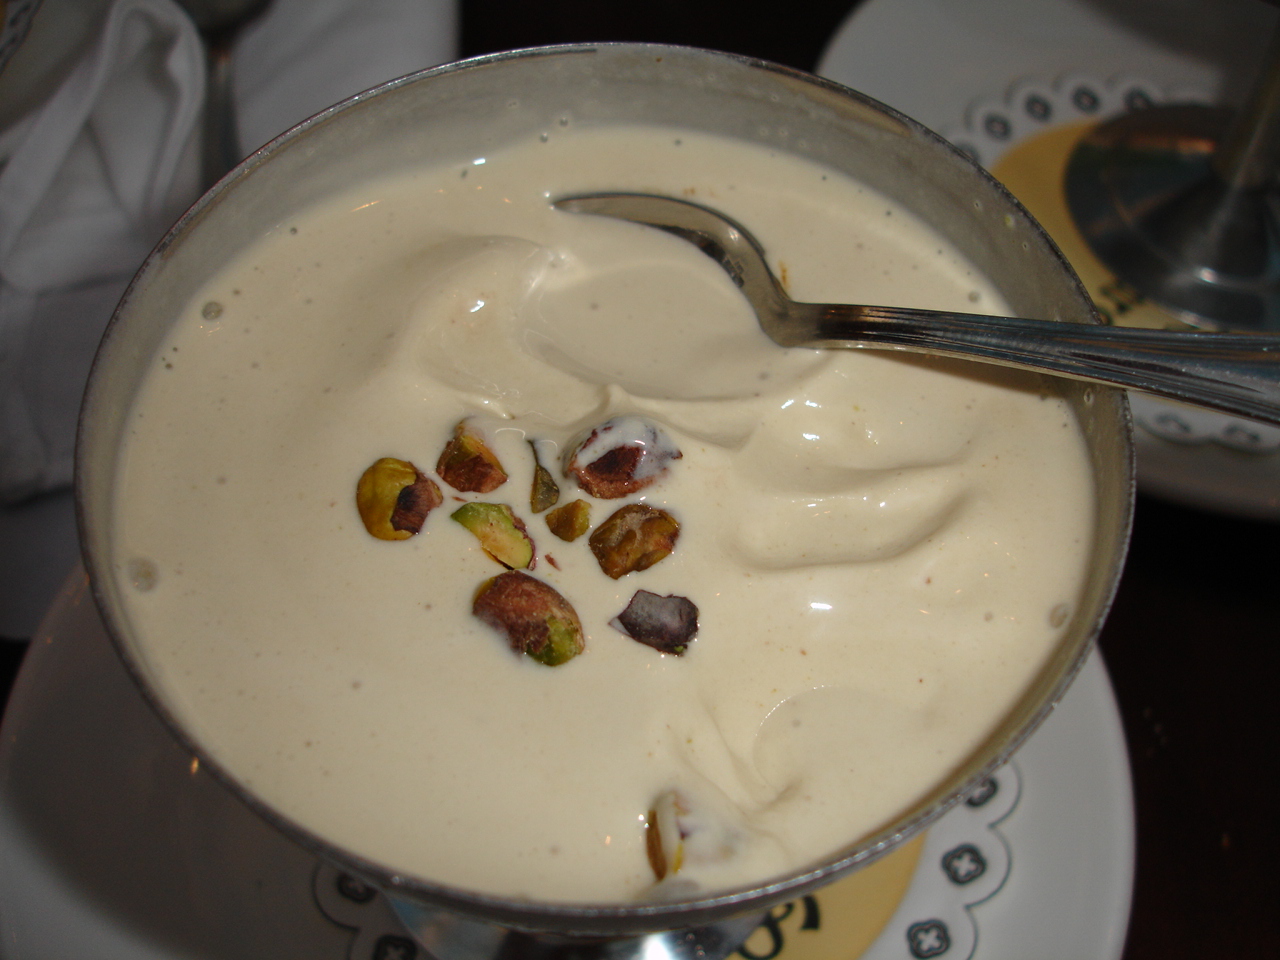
[{"x": 1234, "y": 373}]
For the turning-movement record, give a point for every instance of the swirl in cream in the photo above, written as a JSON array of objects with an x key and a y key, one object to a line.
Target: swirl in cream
[{"x": 876, "y": 546}]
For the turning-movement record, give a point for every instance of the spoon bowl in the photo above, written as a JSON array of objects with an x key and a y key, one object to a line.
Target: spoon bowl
[{"x": 1233, "y": 373}]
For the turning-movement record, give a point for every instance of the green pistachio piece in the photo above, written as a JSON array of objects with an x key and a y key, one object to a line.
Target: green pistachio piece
[
  {"x": 534, "y": 617},
  {"x": 467, "y": 463},
  {"x": 546, "y": 492},
  {"x": 394, "y": 498},
  {"x": 570, "y": 521},
  {"x": 501, "y": 533},
  {"x": 634, "y": 538}
]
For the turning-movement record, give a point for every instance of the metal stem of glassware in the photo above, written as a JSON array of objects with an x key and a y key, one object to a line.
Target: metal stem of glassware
[
  {"x": 1179, "y": 202},
  {"x": 220, "y": 23},
  {"x": 450, "y": 936},
  {"x": 1234, "y": 373},
  {"x": 1249, "y": 153}
]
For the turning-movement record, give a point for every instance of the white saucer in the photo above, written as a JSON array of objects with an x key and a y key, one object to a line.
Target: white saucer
[
  {"x": 974, "y": 61},
  {"x": 116, "y": 846},
  {"x": 931, "y": 58}
]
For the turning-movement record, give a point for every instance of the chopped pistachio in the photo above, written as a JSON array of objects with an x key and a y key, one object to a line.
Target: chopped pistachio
[
  {"x": 394, "y": 497},
  {"x": 621, "y": 456},
  {"x": 663, "y": 841},
  {"x": 634, "y": 538},
  {"x": 467, "y": 463},
  {"x": 545, "y": 493},
  {"x": 501, "y": 533},
  {"x": 667, "y": 624},
  {"x": 681, "y": 830},
  {"x": 534, "y": 617},
  {"x": 570, "y": 521}
]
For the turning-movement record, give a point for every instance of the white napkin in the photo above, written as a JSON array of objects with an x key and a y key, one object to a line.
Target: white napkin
[
  {"x": 304, "y": 55},
  {"x": 92, "y": 179},
  {"x": 96, "y": 175}
]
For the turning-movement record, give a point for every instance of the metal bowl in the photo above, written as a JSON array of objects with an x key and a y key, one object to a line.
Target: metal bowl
[{"x": 459, "y": 111}]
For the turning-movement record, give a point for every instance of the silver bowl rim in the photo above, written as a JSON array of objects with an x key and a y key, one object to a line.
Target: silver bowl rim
[{"x": 571, "y": 916}]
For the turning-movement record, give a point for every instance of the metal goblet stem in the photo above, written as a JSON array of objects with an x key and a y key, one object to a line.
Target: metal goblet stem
[{"x": 1180, "y": 203}]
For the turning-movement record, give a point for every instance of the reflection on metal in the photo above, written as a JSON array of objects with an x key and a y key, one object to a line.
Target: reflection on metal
[
  {"x": 1181, "y": 203},
  {"x": 451, "y": 936}
]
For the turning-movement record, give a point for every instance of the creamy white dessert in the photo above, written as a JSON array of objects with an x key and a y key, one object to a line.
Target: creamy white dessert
[{"x": 882, "y": 550}]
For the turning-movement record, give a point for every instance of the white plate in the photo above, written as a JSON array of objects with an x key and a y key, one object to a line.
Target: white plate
[
  {"x": 116, "y": 846},
  {"x": 931, "y": 58},
  {"x": 972, "y": 59}
]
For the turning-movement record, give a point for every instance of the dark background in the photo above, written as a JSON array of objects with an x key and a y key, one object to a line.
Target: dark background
[{"x": 1191, "y": 644}]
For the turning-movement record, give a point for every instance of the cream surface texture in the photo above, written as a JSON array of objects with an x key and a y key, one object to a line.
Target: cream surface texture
[{"x": 882, "y": 550}]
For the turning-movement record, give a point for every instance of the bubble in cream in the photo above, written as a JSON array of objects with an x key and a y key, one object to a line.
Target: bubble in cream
[{"x": 142, "y": 573}]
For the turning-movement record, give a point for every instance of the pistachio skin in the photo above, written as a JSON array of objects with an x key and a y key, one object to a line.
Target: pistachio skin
[
  {"x": 394, "y": 498},
  {"x": 570, "y": 521},
  {"x": 620, "y": 457},
  {"x": 468, "y": 465},
  {"x": 664, "y": 840},
  {"x": 501, "y": 533},
  {"x": 634, "y": 538},
  {"x": 680, "y": 830},
  {"x": 668, "y": 624},
  {"x": 533, "y": 616}
]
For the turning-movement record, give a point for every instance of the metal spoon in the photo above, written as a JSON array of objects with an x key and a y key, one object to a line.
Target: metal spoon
[{"x": 1234, "y": 373}]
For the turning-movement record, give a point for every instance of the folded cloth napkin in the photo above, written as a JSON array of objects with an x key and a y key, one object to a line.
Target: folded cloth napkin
[
  {"x": 304, "y": 55},
  {"x": 97, "y": 174},
  {"x": 91, "y": 181}
]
